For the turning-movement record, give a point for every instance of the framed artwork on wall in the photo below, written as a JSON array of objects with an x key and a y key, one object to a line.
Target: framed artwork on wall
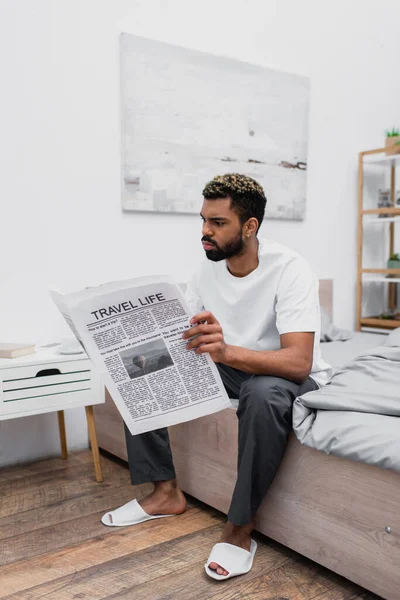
[{"x": 188, "y": 116}]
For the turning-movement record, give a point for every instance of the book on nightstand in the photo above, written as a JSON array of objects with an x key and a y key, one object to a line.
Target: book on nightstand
[{"x": 15, "y": 350}]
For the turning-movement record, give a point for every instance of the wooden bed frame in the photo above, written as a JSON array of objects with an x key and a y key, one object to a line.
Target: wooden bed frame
[{"x": 342, "y": 514}]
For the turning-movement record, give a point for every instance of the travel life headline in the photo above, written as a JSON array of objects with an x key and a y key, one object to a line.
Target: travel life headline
[{"x": 116, "y": 309}]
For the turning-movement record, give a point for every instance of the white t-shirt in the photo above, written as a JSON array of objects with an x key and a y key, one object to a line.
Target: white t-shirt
[{"x": 279, "y": 296}]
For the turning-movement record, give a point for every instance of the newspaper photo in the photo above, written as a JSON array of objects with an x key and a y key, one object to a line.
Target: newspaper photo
[{"x": 132, "y": 332}]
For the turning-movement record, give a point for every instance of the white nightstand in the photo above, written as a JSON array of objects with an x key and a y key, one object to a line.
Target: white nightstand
[{"x": 48, "y": 381}]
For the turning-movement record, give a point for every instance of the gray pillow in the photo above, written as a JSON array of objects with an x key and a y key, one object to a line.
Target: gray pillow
[
  {"x": 393, "y": 339},
  {"x": 331, "y": 333}
]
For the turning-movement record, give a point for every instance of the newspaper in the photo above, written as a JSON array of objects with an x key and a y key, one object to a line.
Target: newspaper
[{"x": 132, "y": 332}]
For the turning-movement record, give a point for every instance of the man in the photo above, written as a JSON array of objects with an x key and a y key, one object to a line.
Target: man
[{"x": 257, "y": 316}]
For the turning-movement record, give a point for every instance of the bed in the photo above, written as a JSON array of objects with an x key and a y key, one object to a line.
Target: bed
[
  {"x": 340, "y": 513},
  {"x": 339, "y": 353}
]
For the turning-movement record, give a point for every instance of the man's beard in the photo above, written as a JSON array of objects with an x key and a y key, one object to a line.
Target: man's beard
[{"x": 232, "y": 248}]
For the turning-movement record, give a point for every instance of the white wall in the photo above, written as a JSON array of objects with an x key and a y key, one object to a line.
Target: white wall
[{"x": 60, "y": 213}]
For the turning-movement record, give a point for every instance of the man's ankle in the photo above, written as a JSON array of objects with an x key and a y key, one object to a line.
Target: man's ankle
[
  {"x": 166, "y": 486},
  {"x": 239, "y": 529}
]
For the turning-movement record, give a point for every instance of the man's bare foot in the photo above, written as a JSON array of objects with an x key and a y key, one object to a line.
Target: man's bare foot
[
  {"x": 166, "y": 499},
  {"x": 237, "y": 536}
]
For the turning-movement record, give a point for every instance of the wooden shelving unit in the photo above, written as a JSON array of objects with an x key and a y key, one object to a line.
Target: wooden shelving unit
[
  {"x": 389, "y": 276},
  {"x": 381, "y": 323},
  {"x": 385, "y": 271}
]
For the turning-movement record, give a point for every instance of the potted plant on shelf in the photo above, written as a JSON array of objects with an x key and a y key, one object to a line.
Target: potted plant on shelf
[
  {"x": 390, "y": 315},
  {"x": 392, "y": 143},
  {"x": 393, "y": 262}
]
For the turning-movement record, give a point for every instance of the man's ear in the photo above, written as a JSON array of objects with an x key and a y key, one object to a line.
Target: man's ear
[{"x": 250, "y": 227}]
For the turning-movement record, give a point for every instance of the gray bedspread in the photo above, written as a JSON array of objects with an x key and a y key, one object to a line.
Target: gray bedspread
[{"x": 356, "y": 415}]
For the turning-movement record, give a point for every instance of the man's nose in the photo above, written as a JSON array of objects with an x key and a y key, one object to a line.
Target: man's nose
[{"x": 206, "y": 230}]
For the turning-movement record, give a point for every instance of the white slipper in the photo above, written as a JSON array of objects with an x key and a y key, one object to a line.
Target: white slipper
[
  {"x": 233, "y": 559},
  {"x": 130, "y": 513}
]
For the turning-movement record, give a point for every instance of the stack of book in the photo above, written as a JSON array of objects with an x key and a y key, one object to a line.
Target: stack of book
[{"x": 15, "y": 350}]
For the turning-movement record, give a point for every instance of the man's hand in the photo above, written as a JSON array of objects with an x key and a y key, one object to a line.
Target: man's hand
[{"x": 210, "y": 336}]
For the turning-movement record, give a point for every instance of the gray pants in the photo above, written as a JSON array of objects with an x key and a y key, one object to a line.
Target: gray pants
[{"x": 265, "y": 420}]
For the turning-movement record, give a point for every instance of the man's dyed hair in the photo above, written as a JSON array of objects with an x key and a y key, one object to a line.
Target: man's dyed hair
[{"x": 247, "y": 196}]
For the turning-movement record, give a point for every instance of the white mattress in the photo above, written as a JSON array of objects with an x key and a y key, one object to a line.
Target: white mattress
[{"x": 338, "y": 354}]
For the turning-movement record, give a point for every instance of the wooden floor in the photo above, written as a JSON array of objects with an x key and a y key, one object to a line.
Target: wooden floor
[{"x": 53, "y": 545}]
